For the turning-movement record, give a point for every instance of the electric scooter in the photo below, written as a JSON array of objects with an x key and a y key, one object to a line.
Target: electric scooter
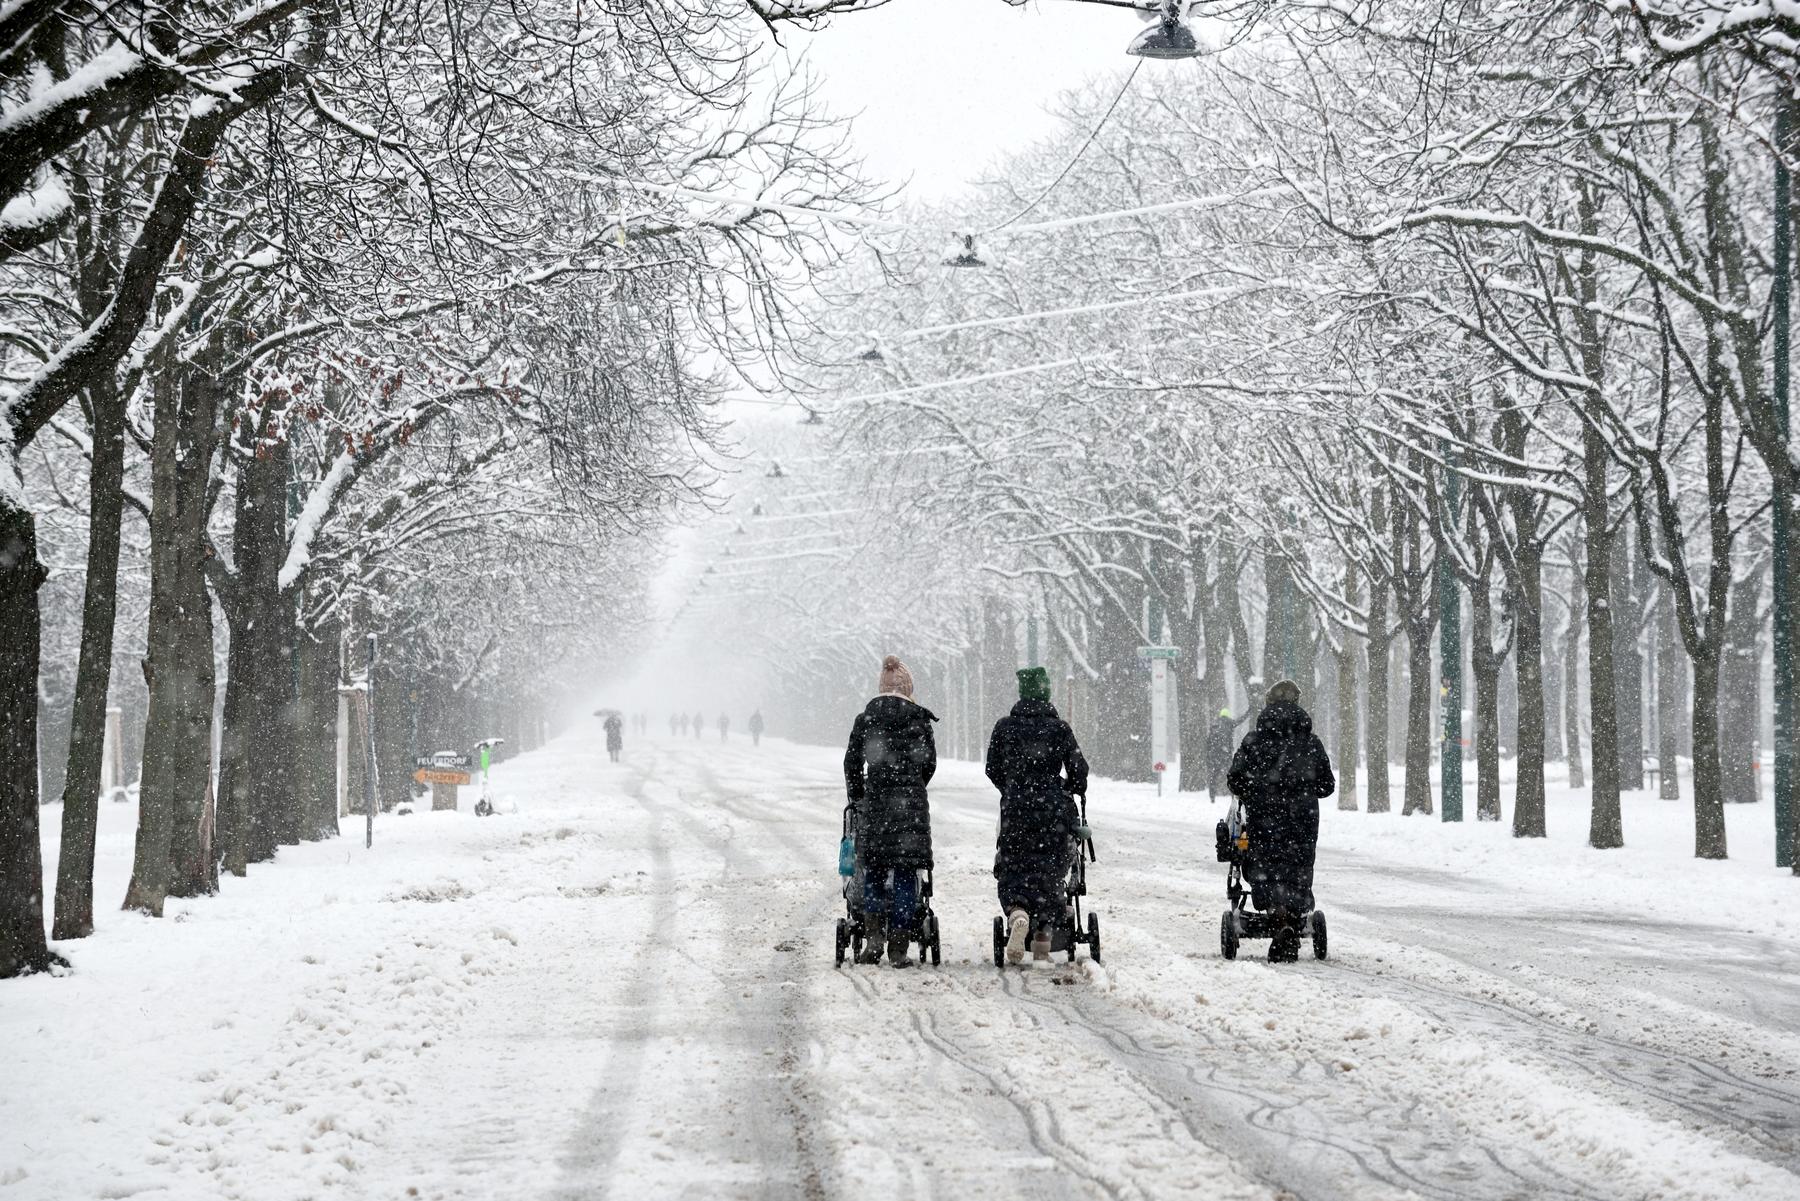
[{"x": 485, "y": 806}]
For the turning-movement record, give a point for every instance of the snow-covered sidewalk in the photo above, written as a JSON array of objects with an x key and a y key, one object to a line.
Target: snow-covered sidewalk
[{"x": 625, "y": 989}]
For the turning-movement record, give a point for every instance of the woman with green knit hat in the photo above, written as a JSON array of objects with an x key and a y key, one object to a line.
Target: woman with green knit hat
[{"x": 1034, "y": 761}]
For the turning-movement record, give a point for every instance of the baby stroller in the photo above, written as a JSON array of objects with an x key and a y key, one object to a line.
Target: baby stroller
[
  {"x": 853, "y": 933},
  {"x": 1240, "y": 922},
  {"x": 1066, "y": 929}
]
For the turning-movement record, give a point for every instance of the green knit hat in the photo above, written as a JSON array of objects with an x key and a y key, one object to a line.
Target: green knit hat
[{"x": 1034, "y": 684}]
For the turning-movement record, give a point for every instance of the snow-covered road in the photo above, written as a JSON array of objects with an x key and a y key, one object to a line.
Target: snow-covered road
[{"x": 625, "y": 990}]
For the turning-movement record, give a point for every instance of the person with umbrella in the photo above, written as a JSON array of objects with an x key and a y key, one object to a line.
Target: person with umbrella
[{"x": 614, "y": 723}]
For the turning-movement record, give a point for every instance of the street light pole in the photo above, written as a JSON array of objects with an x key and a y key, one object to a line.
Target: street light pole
[{"x": 370, "y": 791}]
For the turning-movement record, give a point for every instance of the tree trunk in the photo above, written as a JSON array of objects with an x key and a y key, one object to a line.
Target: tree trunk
[
  {"x": 1528, "y": 665},
  {"x": 233, "y": 825},
  {"x": 1346, "y": 727},
  {"x": 1376, "y": 656},
  {"x": 1282, "y": 653},
  {"x": 1186, "y": 625},
  {"x": 1606, "y": 825},
  {"x": 1669, "y": 691},
  {"x": 1417, "y": 797},
  {"x": 1122, "y": 702},
  {"x": 1628, "y": 659},
  {"x": 22, "y": 945},
  {"x": 1737, "y": 706},
  {"x": 1484, "y": 666},
  {"x": 87, "y": 728},
  {"x": 1709, "y": 807},
  {"x": 1571, "y": 656},
  {"x": 1553, "y": 702},
  {"x": 259, "y": 755},
  {"x": 316, "y": 750},
  {"x": 1417, "y": 594},
  {"x": 1377, "y": 650},
  {"x": 173, "y": 853}
]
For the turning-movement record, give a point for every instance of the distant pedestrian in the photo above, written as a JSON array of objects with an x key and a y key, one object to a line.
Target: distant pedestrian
[
  {"x": 615, "y": 735},
  {"x": 724, "y": 727},
  {"x": 1221, "y": 741},
  {"x": 699, "y": 725},
  {"x": 756, "y": 728},
  {"x": 683, "y": 719}
]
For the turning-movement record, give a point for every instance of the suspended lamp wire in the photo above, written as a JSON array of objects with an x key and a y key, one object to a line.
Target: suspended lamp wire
[{"x": 1070, "y": 166}]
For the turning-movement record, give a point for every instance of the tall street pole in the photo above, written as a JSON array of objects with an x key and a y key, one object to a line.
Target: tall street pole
[
  {"x": 1450, "y": 651},
  {"x": 1782, "y": 634}
]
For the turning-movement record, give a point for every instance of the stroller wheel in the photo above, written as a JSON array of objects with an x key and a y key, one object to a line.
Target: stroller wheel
[
  {"x": 999, "y": 942},
  {"x": 1318, "y": 934},
  {"x": 1228, "y": 935},
  {"x": 1093, "y": 938},
  {"x": 934, "y": 945},
  {"x": 843, "y": 939}
]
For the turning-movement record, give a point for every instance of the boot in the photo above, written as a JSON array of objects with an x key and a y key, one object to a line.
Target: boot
[
  {"x": 897, "y": 946},
  {"x": 876, "y": 926},
  {"x": 1018, "y": 925},
  {"x": 1040, "y": 946},
  {"x": 1284, "y": 947}
]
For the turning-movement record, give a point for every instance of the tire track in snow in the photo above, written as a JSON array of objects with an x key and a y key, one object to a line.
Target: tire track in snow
[
  {"x": 1197, "y": 1095},
  {"x": 1174, "y": 1079},
  {"x": 780, "y": 1026},
  {"x": 1040, "y": 1121},
  {"x": 595, "y": 1149},
  {"x": 1766, "y": 1116}
]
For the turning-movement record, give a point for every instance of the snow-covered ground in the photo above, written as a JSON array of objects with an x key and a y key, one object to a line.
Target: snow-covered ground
[{"x": 625, "y": 989}]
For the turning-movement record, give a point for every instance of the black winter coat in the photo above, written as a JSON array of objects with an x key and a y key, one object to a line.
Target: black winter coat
[
  {"x": 890, "y": 760},
  {"x": 1279, "y": 772},
  {"x": 1034, "y": 761},
  {"x": 615, "y": 733}
]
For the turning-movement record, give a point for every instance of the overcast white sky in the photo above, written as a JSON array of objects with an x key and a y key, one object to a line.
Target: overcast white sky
[{"x": 943, "y": 86}]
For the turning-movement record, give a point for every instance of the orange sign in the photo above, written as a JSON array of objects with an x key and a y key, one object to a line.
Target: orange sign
[{"x": 428, "y": 775}]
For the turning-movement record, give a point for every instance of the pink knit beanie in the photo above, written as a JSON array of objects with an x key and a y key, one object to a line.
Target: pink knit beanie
[{"x": 895, "y": 678}]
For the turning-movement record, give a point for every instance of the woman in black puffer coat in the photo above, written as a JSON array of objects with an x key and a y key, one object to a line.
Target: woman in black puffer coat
[
  {"x": 1280, "y": 772},
  {"x": 887, "y": 766},
  {"x": 1034, "y": 761}
]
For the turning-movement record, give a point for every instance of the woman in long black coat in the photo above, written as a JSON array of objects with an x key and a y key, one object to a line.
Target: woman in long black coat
[
  {"x": 1034, "y": 761},
  {"x": 887, "y": 766},
  {"x": 1280, "y": 772}
]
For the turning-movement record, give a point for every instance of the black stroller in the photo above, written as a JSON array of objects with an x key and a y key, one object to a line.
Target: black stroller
[
  {"x": 1240, "y": 922},
  {"x": 852, "y": 932},
  {"x": 1066, "y": 929}
]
